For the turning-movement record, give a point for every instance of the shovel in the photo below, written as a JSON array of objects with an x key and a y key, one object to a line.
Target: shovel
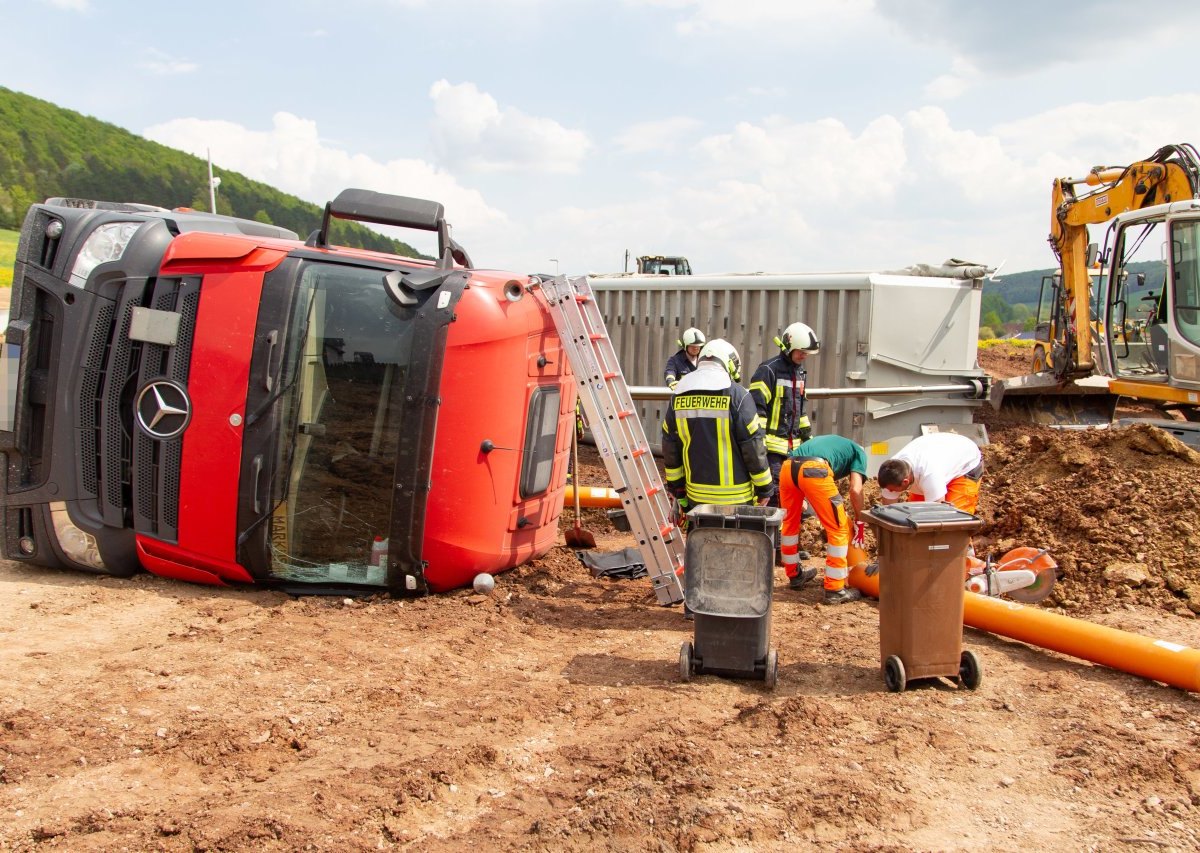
[{"x": 577, "y": 537}]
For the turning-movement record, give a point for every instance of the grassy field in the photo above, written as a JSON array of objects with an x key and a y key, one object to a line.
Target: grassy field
[{"x": 8, "y": 254}]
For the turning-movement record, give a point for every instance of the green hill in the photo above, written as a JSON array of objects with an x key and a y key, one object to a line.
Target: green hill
[
  {"x": 1022, "y": 288},
  {"x": 48, "y": 151},
  {"x": 8, "y": 256}
]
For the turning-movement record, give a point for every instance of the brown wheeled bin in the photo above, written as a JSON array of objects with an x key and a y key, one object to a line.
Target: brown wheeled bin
[{"x": 922, "y": 560}]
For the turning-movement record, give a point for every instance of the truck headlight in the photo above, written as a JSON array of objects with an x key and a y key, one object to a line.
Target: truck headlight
[
  {"x": 106, "y": 243},
  {"x": 78, "y": 545}
]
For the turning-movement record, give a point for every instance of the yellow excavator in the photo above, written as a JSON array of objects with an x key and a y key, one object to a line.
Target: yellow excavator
[{"x": 1111, "y": 328}]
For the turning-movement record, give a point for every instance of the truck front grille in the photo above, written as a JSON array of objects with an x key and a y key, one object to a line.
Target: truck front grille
[{"x": 156, "y": 464}]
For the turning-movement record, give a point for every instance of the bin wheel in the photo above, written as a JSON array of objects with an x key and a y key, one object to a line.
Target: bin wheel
[
  {"x": 685, "y": 662},
  {"x": 771, "y": 672},
  {"x": 893, "y": 674},
  {"x": 969, "y": 672}
]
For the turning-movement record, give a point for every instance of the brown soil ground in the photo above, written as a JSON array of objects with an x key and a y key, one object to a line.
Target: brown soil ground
[{"x": 147, "y": 714}]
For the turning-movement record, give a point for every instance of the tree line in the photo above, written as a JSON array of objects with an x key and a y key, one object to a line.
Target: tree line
[{"x": 48, "y": 151}]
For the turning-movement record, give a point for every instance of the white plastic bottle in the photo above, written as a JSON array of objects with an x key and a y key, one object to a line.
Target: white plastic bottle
[{"x": 379, "y": 549}]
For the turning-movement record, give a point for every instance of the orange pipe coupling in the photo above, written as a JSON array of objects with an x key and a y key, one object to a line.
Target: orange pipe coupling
[
  {"x": 1170, "y": 663},
  {"x": 592, "y": 496}
]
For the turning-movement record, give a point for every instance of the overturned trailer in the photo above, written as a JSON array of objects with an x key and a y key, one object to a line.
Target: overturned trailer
[{"x": 898, "y": 348}]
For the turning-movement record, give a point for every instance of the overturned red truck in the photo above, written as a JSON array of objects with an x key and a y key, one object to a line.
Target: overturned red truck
[{"x": 215, "y": 400}]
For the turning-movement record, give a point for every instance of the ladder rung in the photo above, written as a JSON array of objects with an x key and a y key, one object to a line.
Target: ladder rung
[{"x": 619, "y": 435}]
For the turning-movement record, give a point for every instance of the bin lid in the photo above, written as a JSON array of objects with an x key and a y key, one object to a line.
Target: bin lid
[
  {"x": 737, "y": 515},
  {"x": 914, "y": 516},
  {"x": 728, "y": 571}
]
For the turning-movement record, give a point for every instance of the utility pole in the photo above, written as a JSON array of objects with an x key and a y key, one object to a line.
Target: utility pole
[{"x": 213, "y": 183}]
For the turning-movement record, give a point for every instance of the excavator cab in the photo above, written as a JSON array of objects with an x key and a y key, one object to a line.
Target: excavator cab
[{"x": 1153, "y": 308}]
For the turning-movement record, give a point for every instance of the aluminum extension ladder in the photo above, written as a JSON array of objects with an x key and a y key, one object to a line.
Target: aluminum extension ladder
[{"x": 618, "y": 432}]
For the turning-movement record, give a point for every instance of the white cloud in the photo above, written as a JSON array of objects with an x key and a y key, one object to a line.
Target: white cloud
[
  {"x": 1022, "y": 35},
  {"x": 168, "y": 67},
  {"x": 164, "y": 65},
  {"x": 70, "y": 5},
  {"x": 955, "y": 84},
  {"x": 975, "y": 165},
  {"x": 471, "y": 131},
  {"x": 292, "y": 157},
  {"x": 715, "y": 17},
  {"x": 1114, "y": 132},
  {"x": 664, "y": 135},
  {"x": 820, "y": 162}
]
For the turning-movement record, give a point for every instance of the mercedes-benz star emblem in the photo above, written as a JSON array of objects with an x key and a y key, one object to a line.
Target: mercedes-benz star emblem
[{"x": 163, "y": 409}]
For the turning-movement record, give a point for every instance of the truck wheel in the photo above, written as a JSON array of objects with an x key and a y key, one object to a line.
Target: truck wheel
[
  {"x": 893, "y": 674},
  {"x": 969, "y": 672},
  {"x": 771, "y": 673},
  {"x": 685, "y": 662}
]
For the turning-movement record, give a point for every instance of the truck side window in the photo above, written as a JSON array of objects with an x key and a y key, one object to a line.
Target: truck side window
[{"x": 541, "y": 433}]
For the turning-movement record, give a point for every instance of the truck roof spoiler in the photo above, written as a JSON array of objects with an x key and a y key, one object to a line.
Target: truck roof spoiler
[{"x": 401, "y": 211}]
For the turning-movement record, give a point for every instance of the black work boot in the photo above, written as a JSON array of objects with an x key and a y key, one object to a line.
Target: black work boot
[
  {"x": 841, "y": 596},
  {"x": 802, "y": 578}
]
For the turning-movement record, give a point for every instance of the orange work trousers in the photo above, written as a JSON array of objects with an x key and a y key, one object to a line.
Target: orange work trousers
[{"x": 809, "y": 478}]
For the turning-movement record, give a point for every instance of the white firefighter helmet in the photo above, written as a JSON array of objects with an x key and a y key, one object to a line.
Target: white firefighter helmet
[
  {"x": 799, "y": 337},
  {"x": 722, "y": 351},
  {"x": 691, "y": 337}
]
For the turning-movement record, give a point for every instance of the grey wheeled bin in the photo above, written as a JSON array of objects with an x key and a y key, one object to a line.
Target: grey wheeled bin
[
  {"x": 922, "y": 569},
  {"x": 729, "y": 568}
]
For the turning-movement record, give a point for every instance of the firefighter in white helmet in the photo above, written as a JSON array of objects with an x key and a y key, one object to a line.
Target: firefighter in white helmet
[
  {"x": 713, "y": 449},
  {"x": 778, "y": 391},
  {"x": 684, "y": 362}
]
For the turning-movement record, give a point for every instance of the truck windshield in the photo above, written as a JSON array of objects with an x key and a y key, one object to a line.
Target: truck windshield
[{"x": 345, "y": 361}]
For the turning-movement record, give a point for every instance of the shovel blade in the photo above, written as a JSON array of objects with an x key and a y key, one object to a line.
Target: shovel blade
[{"x": 577, "y": 537}]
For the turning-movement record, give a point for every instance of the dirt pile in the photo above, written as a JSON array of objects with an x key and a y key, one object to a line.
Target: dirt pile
[{"x": 1119, "y": 510}]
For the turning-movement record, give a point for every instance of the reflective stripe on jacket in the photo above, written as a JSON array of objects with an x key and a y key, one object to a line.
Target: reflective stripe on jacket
[
  {"x": 778, "y": 390},
  {"x": 713, "y": 448}
]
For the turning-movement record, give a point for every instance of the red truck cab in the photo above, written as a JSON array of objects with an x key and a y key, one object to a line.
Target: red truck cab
[{"x": 216, "y": 400}]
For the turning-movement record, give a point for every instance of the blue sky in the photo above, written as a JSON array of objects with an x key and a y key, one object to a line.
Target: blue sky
[{"x": 777, "y": 135}]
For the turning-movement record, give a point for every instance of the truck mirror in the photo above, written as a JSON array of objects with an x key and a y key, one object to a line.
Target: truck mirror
[{"x": 1093, "y": 254}]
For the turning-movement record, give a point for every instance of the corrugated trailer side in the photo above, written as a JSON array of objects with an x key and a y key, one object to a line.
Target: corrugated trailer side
[{"x": 876, "y": 330}]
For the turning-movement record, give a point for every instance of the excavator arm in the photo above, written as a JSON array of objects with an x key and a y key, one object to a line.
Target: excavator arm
[{"x": 1172, "y": 173}]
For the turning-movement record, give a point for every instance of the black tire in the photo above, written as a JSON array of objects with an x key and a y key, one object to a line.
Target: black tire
[
  {"x": 685, "y": 662},
  {"x": 970, "y": 674},
  {"x": 771, "y": 673},
  {"x": 893, "y": 674}
]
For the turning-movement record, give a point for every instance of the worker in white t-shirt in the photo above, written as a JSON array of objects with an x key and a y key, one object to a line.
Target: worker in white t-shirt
[{"x": 941, "y": 466}]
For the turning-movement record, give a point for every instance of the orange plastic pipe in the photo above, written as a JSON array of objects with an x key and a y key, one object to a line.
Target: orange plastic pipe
[
  {"x": 1160, "y": 660},
  {"x": 592, "y": 496}
]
